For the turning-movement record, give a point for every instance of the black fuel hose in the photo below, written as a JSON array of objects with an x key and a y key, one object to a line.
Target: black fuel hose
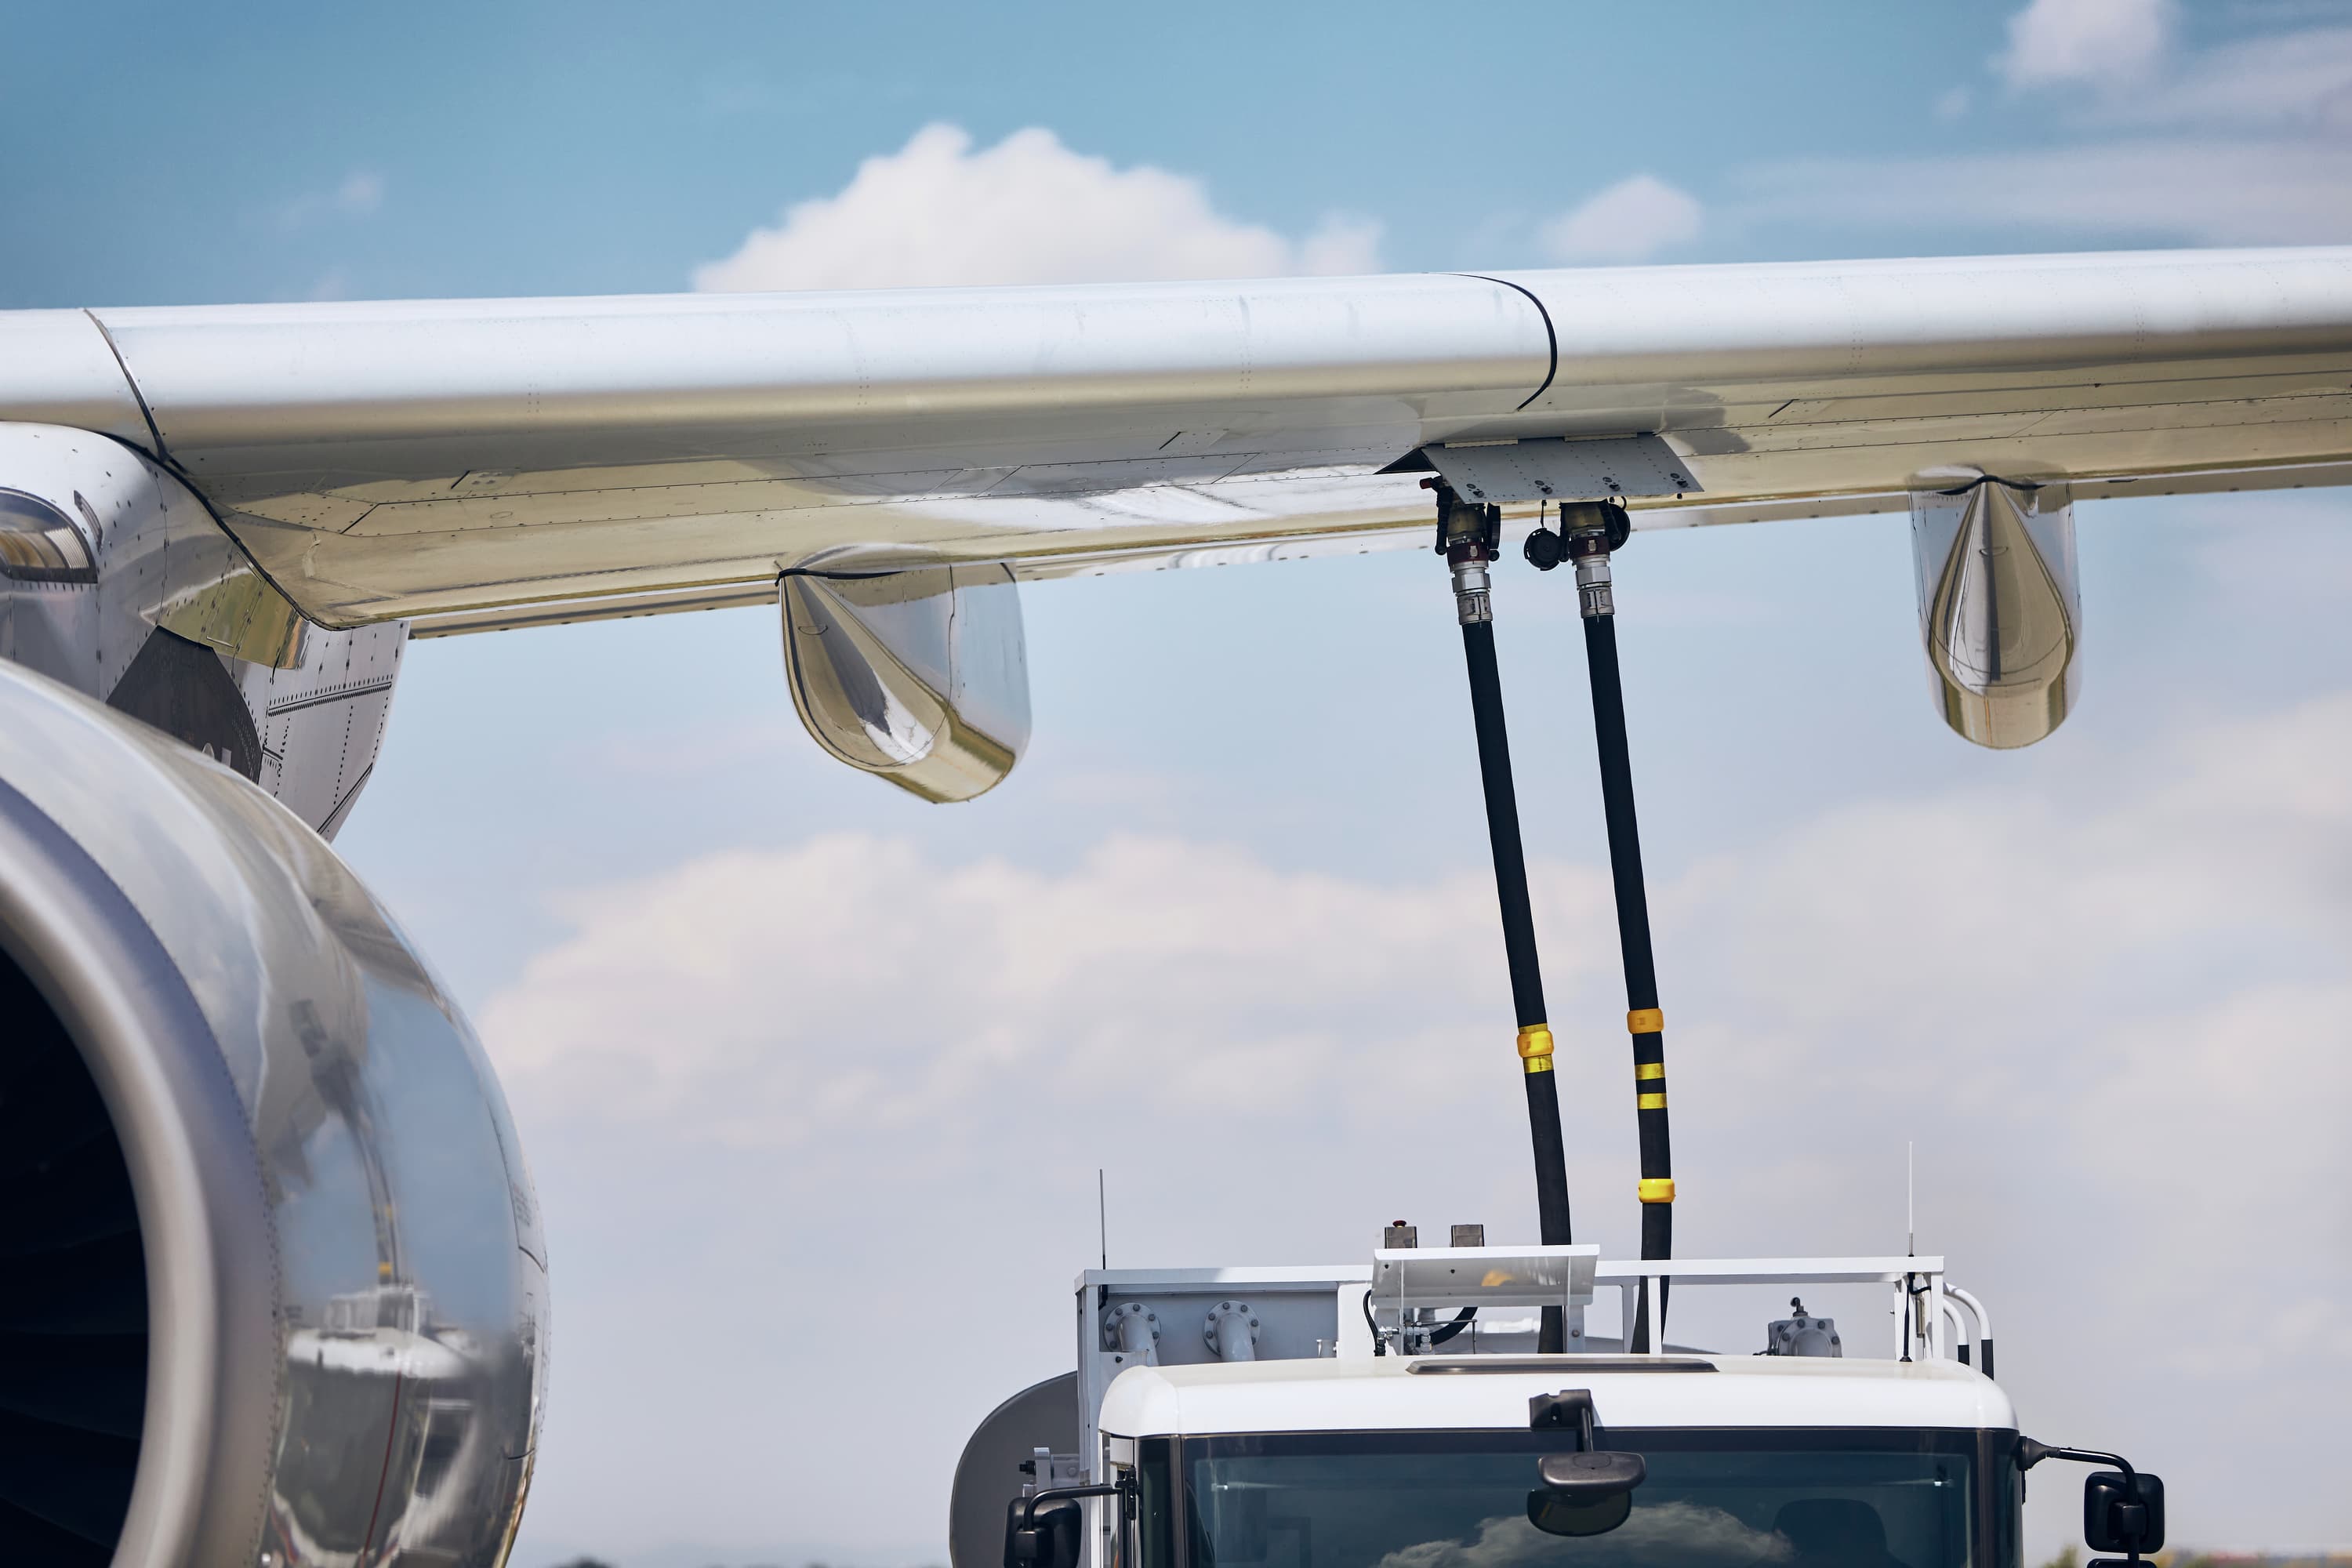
[
  {"x": 1535, "y": 1043},
  {"x": 1644, "y": 1020}
]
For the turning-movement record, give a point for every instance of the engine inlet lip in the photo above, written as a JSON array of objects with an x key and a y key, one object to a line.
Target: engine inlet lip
[{"x": 213, "y": 1372}]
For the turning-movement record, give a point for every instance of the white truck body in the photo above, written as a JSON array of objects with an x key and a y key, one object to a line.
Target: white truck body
[{"x": 1325, "y": 1418}]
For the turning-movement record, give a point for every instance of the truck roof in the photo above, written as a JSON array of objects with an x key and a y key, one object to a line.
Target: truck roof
[{"x": 1470, "y": 1393}]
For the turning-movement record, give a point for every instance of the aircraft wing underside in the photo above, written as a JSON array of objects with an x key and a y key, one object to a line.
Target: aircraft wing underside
[{"x": 477, "y": 463}]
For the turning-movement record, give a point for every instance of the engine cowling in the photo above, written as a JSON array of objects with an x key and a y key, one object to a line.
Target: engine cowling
[{"x": 278, "y": 1291}]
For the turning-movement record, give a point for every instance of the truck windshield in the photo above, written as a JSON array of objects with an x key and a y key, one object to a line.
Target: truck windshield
[{"x": 1714, "y": 1499}]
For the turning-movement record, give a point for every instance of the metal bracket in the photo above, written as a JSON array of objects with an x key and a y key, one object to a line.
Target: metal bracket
[{"x": 1587, "y": 468}]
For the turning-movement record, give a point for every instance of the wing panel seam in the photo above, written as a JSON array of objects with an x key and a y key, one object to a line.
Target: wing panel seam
[
  {"x": 1550, "y": 337},
  {"x": 154, "y": 431}
]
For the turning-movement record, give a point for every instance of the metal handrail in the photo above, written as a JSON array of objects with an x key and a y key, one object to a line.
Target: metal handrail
[{"x": 1984, "y": 1325}]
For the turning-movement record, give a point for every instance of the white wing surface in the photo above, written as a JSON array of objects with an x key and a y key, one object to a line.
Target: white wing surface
[{"x": 482, "y": 463}]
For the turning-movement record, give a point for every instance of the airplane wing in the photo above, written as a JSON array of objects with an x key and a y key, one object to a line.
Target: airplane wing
[{"x": 474, "y": 464}]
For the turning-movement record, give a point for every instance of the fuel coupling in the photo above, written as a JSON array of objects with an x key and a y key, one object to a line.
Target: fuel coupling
[
  {"x": 1593, "y": 594},
  {"x": 1590, "y": 531},
  {"x": 1469, "y": 536},
  {"x": 1474, "y": 602}
]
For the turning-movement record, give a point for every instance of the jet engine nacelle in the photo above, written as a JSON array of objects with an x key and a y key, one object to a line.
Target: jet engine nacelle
[
  {"x": 2000, "y": 608},
  {"x": 276, "y": 1288}
]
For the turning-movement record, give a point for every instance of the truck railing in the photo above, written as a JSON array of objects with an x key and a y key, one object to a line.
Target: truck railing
[
  {"x": 1173, "y": 1316},
  {"x": 1923, "y": 1301}
]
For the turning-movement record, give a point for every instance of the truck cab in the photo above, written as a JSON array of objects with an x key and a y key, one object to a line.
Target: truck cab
[
  {"x": 1433, "y": 1462},
  {"x": 1399, "y": 1415}
]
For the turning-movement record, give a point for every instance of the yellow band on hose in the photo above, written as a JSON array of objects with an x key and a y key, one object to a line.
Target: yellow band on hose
[
  {"x": 1646, "y": 1021},
  {"x": 1644, "y": 1071},
  {"x": 1535, "y": 1040},
  {"x": 1537, "y": 1064},
  {"x": 1657, "y": 1189},
  {"x": 1649, "y": 1102}
]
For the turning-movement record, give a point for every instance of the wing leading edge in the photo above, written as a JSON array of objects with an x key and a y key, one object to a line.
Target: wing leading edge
[{"x": 502, "y": 462}]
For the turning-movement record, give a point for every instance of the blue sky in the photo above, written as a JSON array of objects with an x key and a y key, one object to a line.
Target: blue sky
[
  {"x": 2077, "y": 976},
  {"x": 171, "y": 153}
]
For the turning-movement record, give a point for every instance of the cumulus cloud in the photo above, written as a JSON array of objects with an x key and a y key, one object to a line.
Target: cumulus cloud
[
  {"x": 776, "y": 996},
  {"x": 1632, "y": 220},
  {"x": 2101, "y": 41},
  {"x": 1153, "y": 964},
  {"x": 1026, "y": 210}
]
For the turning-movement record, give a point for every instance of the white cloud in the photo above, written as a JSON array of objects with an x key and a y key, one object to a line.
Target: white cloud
[
  {"x": 846, "y": 1078},
  {"x": 1027, "y": 210},
  {"x": 2101, "y": 41},
  {"x": 2299, "y": 79},
  {"x": 1043, "y": 971},
  {"x": 361, "y": 192},
  {"x": 1632, "y": 220},
  {"x": 769, "y": 996},
  {"x": 2243, "y": 142},
  {"x": 2175, "y": 191}
]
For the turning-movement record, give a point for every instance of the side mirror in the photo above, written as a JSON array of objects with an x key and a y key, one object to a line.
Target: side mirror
[
  {"x": 2123, "y": 1509},
  {"x": 2123, "y": 1512},
  {"x": 1048, "y": 1539},
  {"x": 1585, "y": 1493}
]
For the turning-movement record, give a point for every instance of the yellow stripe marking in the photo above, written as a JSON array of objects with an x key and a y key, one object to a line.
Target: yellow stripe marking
[
  {"x": 1649, "y": 1102},
  {"x": 1644, "y": 1071},
  {"x": 1538, "y": 1064}
]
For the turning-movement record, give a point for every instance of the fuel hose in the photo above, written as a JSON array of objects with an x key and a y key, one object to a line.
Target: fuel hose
[
  {"x": 1467, "y": 535},
  {"x": 1644, "y": 1021}
]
